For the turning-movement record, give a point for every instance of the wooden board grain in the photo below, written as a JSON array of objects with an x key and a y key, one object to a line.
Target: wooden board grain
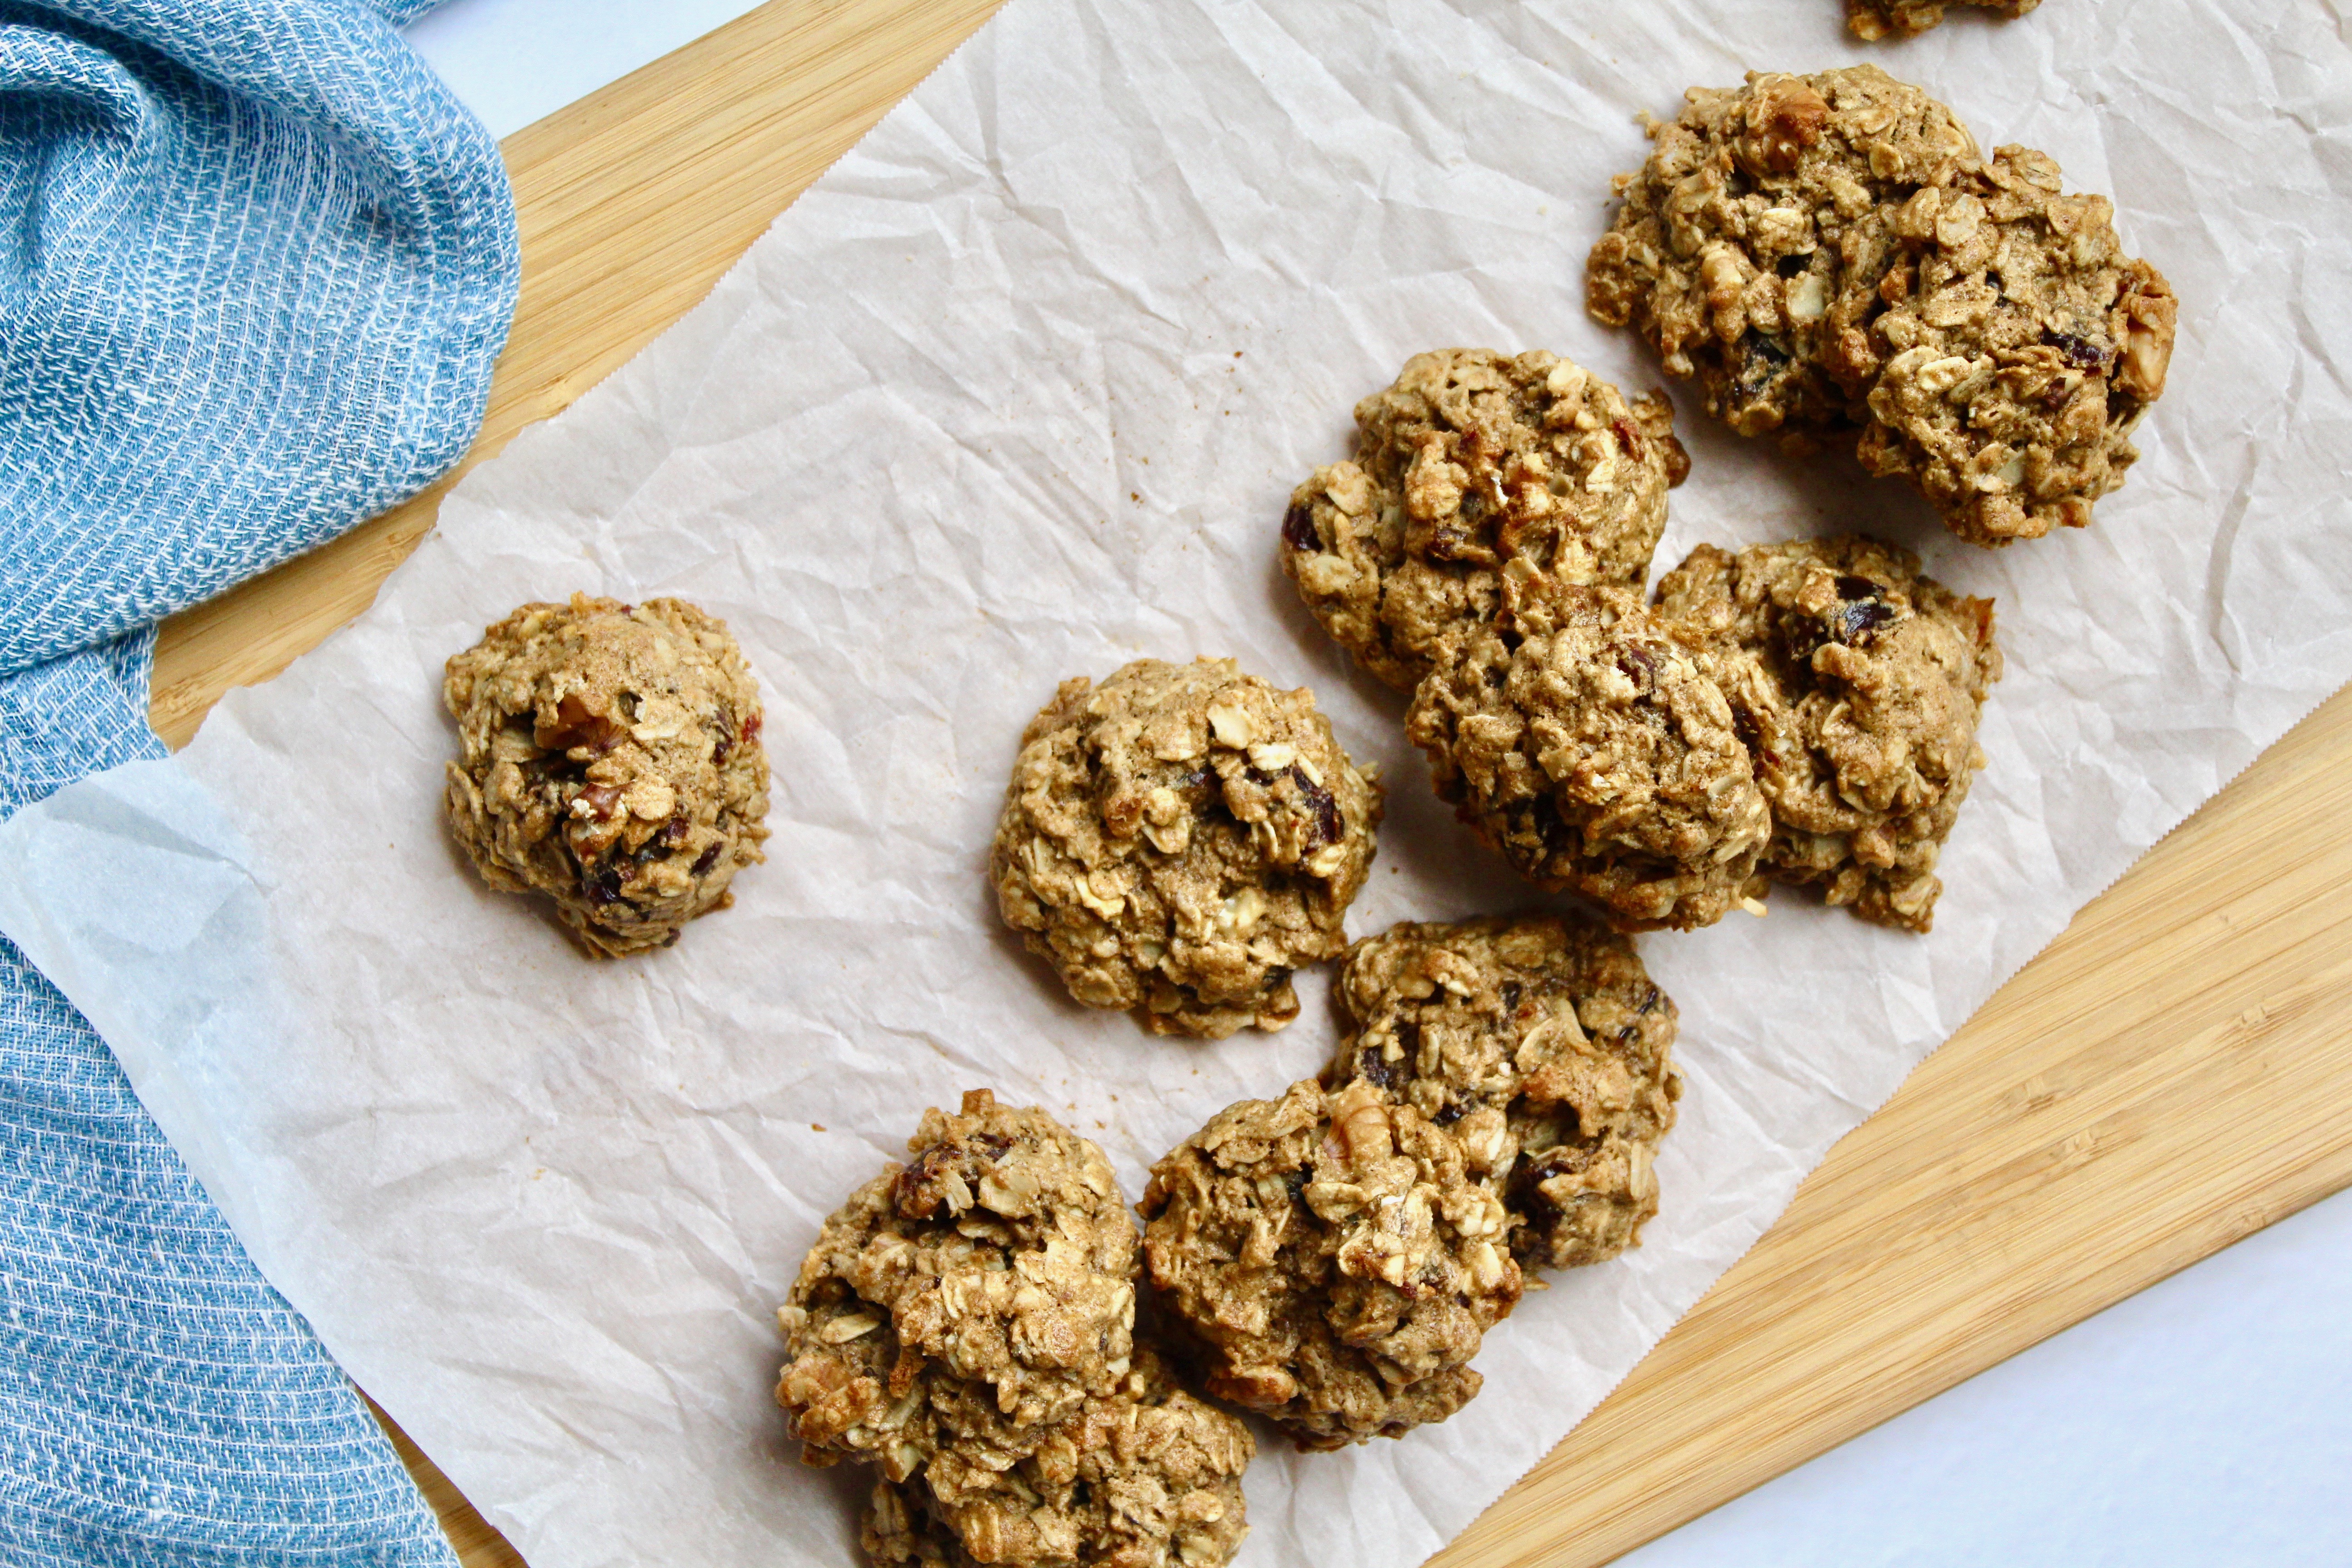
[{"x": 2170, "y": 1075}]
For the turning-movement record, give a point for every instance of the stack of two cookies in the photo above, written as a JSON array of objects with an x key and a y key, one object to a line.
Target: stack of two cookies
[
  {"x": 966, "y": 1325},
  {"x": 1333, "y": 1257}
]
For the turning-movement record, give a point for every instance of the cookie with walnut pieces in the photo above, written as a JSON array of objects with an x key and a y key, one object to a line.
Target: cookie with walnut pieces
[
  {"x": 1144, "y": 1477},
  {"x": 1176, "y": 840},
  {"x": 1472, "y": 466},
  {"x": 1586, "y": 740},
  {"x": 1334, "y": 1259},
  {"x": 970, "y": 1298},
  {"x": 1874, "y": 19},
  {"x": 2018, "y": 349},
  {"x": 609, "y": 757},
  {"x": 1748, "y": 250},
  {"x": 1832, "y": 258},
  {"x": 1857, "y": 681},
  {"x": 1542, "y": 1045}
]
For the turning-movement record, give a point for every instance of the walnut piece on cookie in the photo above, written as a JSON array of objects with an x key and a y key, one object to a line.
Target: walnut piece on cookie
[
  {"x": 972, "y": 1296},
  {"x": 1832, "y": 257},
  {"x": 1857, "y": 682},
  {"x": 1176, "y": 840},
  {"x": 1542, "y": 1045},
  {"x": 1470, "y": 462},
  {"x": 1146, "y": 1477},
  {"x": 1585, "y": 739},
  {"x": 1334, "y": 1259},
  {"x": 610, "y": 758},
  {"x": 1872, "y": 20}
]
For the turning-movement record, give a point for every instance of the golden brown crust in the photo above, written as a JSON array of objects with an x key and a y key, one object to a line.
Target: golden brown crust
[
  {"x": 1585, "y": 739},
  {"x": 1177, "y": 839},
  {"x": 1472, "y": 463},
  {"x": 1334, "y": 1258},
  {"x": 1542, "y": 1045},
  {"x": 2020, "y": 347},
  {"x": 610, "y": 758},
  {"x": 965, "y": 1324},
  {"x": 1856, "y": 683}
]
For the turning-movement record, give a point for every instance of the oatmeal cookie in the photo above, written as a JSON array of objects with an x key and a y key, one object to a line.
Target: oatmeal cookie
[
  {"x": 1857, "y": 683},
  {"x": 2018, "y": 348},
  {"x": 1749, "y": 248},
  {"x": 609, "y": 757},
  {"x": 1542, "y": 1045},
  {"x": 1177, "y": 839},
  {"x": 1470, "y": 462},
  {"x": 1832, "y": 258},
  {"x": 968, "y": 1299},
  {"x": 1875, "y": 19},
  {"x": 1335, "y": 1259},
  {"x": 1583, "y": 738},
  {"x": 1144, "y": 1477}
]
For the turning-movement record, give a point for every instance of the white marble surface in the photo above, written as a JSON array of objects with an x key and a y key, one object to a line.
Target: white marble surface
[{"x": 2206, "y": 1421}]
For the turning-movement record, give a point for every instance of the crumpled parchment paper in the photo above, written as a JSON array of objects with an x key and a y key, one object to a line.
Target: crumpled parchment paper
[{"x": 1017, "y": 391}]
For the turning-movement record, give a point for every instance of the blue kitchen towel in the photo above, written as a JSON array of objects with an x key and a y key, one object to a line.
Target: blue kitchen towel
[{"x": 256, "y": 264}]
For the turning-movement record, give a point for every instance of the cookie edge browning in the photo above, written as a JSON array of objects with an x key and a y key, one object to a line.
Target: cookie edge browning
[
  {"x": 1852, "y": 387},
  {"x": 1873, "y": 21},
  {"x": 1854, "y": 555},
  {"x": 927, "y": 1185},
  {"x": 1312, "y": 1425}
]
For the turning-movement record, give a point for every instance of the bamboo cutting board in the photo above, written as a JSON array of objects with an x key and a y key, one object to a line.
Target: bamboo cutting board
[{"x": 2169, "y": 1075}]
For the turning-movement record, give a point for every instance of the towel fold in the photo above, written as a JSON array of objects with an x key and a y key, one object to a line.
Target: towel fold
[{"x": 256, "y": 264}]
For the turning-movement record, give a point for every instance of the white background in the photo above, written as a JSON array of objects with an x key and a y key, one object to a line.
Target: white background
[{"x": 2205, "y": 1421}]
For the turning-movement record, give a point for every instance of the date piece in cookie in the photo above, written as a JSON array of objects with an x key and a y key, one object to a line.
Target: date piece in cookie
[
  {"x": 1472, "y": 461},
  {"x": 1177, "y": 839},
  {"x": 968, "y": 1299},
  {"x": 1583, "y": 738},
  {"x": 2020, "y": 347},
  {"x": 1541, "y": 1044},
  {"x": 1144, "y": 1477},
  {"x": 1857, "y": 682},
  {"x": 610, "y": 758},
  {"x": 1874, "y": 19},
  {"x": 1334, "y": 1258},
  {"x": 1749, "y": 248}
]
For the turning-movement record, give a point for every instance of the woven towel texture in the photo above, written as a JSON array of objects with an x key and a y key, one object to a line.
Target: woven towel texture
[
  {"x": 256, "y": 264},
  {"x": 246, "y": 293},
  {"x": 159, "y": 1402}
]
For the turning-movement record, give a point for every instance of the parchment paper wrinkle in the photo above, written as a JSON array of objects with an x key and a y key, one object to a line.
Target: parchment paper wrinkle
[{"x": 1018, "y": 390}]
